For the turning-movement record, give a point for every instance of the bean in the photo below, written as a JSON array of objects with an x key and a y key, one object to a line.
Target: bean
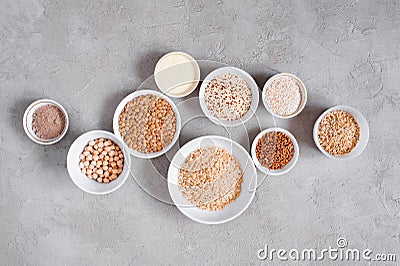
[{"x": 101, "y": 160}]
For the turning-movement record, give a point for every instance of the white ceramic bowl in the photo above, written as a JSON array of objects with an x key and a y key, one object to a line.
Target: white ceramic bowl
[
  {"x": 178, "y": 66},
  {"x": 303, "y": 92},
  {"x": 364, "y": 132},
  {"x": 288, "y": 166},
  {"x": 254, "y": 96},
  {"x": 27, "y": 121},
  {"x": 121, "y": 106},
  {"x": 235, "y": 208},
  {"x": 80, "y": 179}
]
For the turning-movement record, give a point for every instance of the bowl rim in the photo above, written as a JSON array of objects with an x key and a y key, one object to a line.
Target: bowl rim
[
  {"x": 34, "y": 138},
  {"x": 254, "y": 181},
  {"x": 127, "y": 160},
  {"x": 254, "y": 101},
  {"x": 130, "y": 97},
  {"x": 349, "y": 155},
  {"x": 281, "y": 171},
  {"x": 303, "y": 91},
  {"x": 197, "y": 69}
]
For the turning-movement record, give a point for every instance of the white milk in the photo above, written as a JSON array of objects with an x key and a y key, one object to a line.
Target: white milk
[{"x": 177, "y": 74}]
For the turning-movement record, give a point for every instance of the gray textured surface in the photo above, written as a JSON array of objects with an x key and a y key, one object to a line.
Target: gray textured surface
[{"x": 89, "y": 55}]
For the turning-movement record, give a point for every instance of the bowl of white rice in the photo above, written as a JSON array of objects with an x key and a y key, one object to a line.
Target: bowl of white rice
[{"x": 284, "y": 95}]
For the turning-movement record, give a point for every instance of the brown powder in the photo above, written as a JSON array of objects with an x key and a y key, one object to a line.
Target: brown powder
[{"x": 48, "y": 122}]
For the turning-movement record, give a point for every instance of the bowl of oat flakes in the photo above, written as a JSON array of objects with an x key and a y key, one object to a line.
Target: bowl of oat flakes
[
  {"x": 229, "y": 96},
  {"x": 212, "y": 179},
  {"x": 341, "y": 132},
  {"x": 148, "y": 122},
  {"x": 284, "y": 95}
]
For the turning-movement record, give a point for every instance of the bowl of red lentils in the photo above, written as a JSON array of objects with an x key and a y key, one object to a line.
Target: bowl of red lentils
[
  {"x": 98, "y": 162},
  {"x": 275, "y": 151},
  {"x": 148, "y": 122},
  {"x": 341, "y": 132}
]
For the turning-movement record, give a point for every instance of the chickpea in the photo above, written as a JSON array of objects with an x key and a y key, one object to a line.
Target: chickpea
[{"x": 101, "y": 160}]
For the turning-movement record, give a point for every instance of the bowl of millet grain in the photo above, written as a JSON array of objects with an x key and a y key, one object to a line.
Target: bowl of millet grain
[
  {"x": 284, "y": 95},
  {"x": 45, "y": 121},
  {"x": 98, "y": 162},
  {"x": 212, "y": 179},
  {"x": 275, "y": 151},
  {"x": 229, "y": 96},
  {"x": 148, "y": 122},
  {"x": 341, "y": 132}
]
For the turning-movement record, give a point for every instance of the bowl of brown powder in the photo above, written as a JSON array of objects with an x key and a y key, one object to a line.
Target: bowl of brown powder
[{"x": 45, "y": 121}]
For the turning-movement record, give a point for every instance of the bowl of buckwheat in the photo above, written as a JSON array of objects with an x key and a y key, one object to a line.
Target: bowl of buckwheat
[
  {"x": 98, "y": 162},
  {"x": 148, "y": 122},
  {"x": 341, "y": 132},
  {"x": 275, "y": 151}
]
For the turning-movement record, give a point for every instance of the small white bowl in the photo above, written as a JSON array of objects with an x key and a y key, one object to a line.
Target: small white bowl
[
  {"x": 121, "y": 106},
  {"x": 254, "y": 96},
  {"x": 364, "y": 132},
  {"x": 81, "y": 180},
  {"x": 177, "y": 66},
  {"x": 27, "y": 121},
  {"x": 235, "y": 208},
  {"x": 303, "y": 92},
  {"x": 288, "y": 166}
]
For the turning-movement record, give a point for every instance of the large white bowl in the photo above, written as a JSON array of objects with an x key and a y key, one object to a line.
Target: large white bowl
[
  {"x": 28, "y": 118},
  {"x": 303, "y": 92},
  {"x": 235, "y": 208},
  {"x": 121, "y": 107},
  {"x": 81, "y": 180},
  {"x": 254, "y": 96},
  {"x": 288, "y": 166},
  {"x": 364, "y": 132}
]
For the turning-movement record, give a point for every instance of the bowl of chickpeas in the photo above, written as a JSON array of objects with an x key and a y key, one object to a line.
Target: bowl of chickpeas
[
  {"x": 148, "y": 122},
  {"x": 98, "y": 162}
]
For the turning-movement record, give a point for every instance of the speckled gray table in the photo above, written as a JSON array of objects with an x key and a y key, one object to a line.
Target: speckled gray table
[{"x": 89, "y": 55}]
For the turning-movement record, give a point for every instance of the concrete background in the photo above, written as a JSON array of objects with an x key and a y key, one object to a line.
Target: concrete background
[{"x": 89, "y": 55}]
